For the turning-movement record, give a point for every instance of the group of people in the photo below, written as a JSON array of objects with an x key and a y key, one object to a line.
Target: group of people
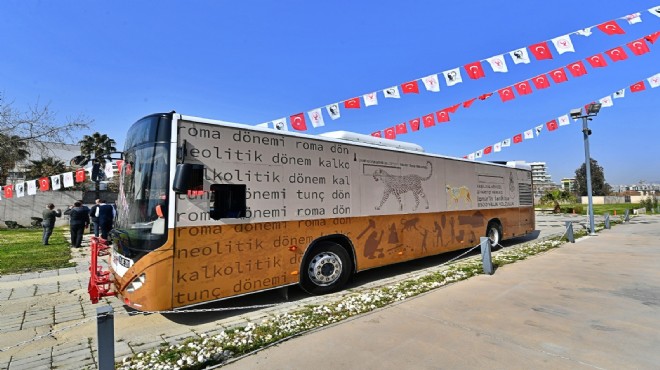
[{"x": 101, "y": 216}]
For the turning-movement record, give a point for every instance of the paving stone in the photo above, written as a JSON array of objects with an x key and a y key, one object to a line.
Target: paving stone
[
  {"x": 47, "y": 289},
  {"x": 23, "y": 292},
  {"x": 6, "y": 278},
  {"x": 35, "y": 365}
]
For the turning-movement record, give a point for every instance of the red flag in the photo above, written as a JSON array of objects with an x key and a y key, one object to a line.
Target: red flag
[
  {"x": 541, "y": 51},
  {"x": 428, "y": 120},
  {"x": 414, "y": 123},
  {"x": 298, "y": 122},
  {"x": 468, "y": 103},
  {"x": 541, "y": 82},
  {"x": 410, "y": 87},
  {"x": 120, "y": 164},
  {"x": 558, "y": 75},
  {"x": 638, "y": 47},
  {"x": 637, "y": 87},
  {"x": 9, "y": 191},
  {"x": 485, "y": 96},
  {"x": 377, "y": 134},
  {"x": 517, "y": 139},
  {"x": 390, "y": 133},
  {"x": 352, "y": 103},
  {"x": 80, "y": 175},
  {"x": 506, "y": 93},
  {"x": 475, "y": 70},
  {"x": 597, "y": 61},
  {"x": 44, "y": 184},
  {"x": 577, "y": 69},
  {"x": 652, "y": 38},
  {"x": 453, "y": 108},
  {"x": 442, "y": 115},
  {"x": 488, "y": 149},
  {"x": 617, "y": 54},
  {"x": 611, "y": 28},
  {"x": 523, "y": 88},
  {"x": 552, "y": 125},
  {"x": 401, "y": 128}
]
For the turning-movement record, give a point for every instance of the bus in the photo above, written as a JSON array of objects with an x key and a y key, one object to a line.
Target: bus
[{"x": 209, "y": 210}]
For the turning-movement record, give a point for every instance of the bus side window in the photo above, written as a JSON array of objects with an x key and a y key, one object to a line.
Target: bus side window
[{"x": 228, "y": 201}]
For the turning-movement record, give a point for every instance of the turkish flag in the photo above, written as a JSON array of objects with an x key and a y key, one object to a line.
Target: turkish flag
[
  {"x": 506, "y": 93},
  {"x": 637, "y": 87},
  {"x": 611, "y": 28},
  {"x": 523, "y": 88},
  {"x": 617, "y": 54},
  {"x": 80, "y": 175},
  {"x": 352, "y": 103},
  {"x": 120, "y": 164},
  {"x": 552, "y": 125},
  {"x": 475, "y": 70},
  {"x": 541, "y": 82},
  {"x": 488, "y": 149},
  {"x": 298, "y": 122},
  {"x": 377, "y": 134},
  {"x": 541, "y": 51},
  {"x": 652, "y": 38},
  {"x": 390, "y": 133},
  {"x": 638, "y": 47},
  {"x": 453, "y": 108},
  {"x": 414, "y": 123},
  {"x": 443, "y": 115},
  {"x": 401, "y": 128},
  {"x": 428, "y": 120},
  {"x": 468, "y": 103},
  {"x": 44, "y": 184},
  {"x": 597, "y": 60},
  {"x": 410, "y": 87},
  {"x": 577, "y": 69},
  {"x": 9, "y": 191},
  {"x": 558, "y": 75},
  {"x": 485, "y": 96},
  {"x": 517, "y": 139}
]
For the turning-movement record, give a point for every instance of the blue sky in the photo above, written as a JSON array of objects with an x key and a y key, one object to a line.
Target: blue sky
[{"x": 255, "y": 61}]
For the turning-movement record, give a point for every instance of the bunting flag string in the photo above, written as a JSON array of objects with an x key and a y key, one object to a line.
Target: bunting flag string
[
  {"x": 540, "y": 51},
  {"x": 542, "y": 81},
  {"x": 556, "y": 123}
]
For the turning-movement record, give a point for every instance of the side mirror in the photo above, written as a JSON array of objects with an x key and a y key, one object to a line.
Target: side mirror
[{"x": 188, "y": 177}]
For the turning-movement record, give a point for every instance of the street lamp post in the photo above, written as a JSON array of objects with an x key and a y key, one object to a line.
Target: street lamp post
[{"x": 591, "y": 111}]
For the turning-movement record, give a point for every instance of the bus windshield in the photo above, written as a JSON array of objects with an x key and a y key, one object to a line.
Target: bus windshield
[{"x": 142, "y": 201}]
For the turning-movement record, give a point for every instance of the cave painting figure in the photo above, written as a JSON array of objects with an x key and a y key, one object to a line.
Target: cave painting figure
[
  {"x": 371, "y": 245},
  {"x": 459, "y": 193},
  {"x": 400, "y": 184}
]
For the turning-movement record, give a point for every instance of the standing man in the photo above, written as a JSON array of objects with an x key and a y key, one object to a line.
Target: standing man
[
  {"x": 106, "y": 215},
  {"x": 78, "y": 221},
  {"x": 95, "y": 220},
  {"x": 49, "y": 221}
]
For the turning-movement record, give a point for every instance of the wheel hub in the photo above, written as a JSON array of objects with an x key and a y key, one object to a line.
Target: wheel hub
[{"x": 325, "y": 268}]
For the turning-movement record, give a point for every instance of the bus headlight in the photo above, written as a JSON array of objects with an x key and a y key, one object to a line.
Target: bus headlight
[{"x": 136, "y": 283}]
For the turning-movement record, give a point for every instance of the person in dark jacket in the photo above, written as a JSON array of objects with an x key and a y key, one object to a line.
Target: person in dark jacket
[
  {"x": 95, "y": 220},
  {"x": 78, "y": 221},
  {"x": 106, "y": 216},
  {"x": 49, "y": 221}
]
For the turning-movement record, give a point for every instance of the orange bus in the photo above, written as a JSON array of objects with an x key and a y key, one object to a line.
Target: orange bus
[{"x": 209, "y": 210}]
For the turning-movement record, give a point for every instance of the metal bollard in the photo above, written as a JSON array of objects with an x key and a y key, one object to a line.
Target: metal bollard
[
  {"x": 607, "y": 221},
  {"x": 569, "y": 232},
  {"x": 485, "y": 256},
  {"x": 626, "y": 217},
  {"x": 105, "y": 335}
]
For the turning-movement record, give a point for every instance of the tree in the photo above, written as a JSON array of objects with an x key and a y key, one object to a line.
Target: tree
[
  {"x": 556, "y": 196},
  {"x": 598, "y": 184},
  {"x": 97, "y": 145},
  {"x": 14, "y": 149},
  {"x": 47, "y": 166}
]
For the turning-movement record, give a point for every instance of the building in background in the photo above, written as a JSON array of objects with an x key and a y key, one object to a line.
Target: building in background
[
  {"x": 568, "y": 184},
  {"x": 541, "y": 179}
]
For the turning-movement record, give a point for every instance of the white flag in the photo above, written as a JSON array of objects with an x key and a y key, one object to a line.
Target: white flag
[
  {"x": 265, "y": 124},
  {"x": 606, "y": 101},
  {"x": 633, "y": 18},
  {"x": 107, "y": 170},
  {"x": 32, "y": 187},
  {"x": 619, "y": 94},
  {"x": 471, "y": 156},
  {"x": 506, "y": 142},
  {"x": 563, "y": 120},
  {"x": 563, "y": 44},
  {"x": 333, "y": 111},
  {"x": 55, "y": 182},
  {"x": 538, "y": 129},
  {"x": 67, "y": 179},
  {"x": 280, "y": 124},
  {"x": 520, "y": 56},
  {"x": 497, "y": 147},
  {"x": 20, "y": 189},
  {"x": 529, "y": 134},
  {"x": 392, "y": 92},
  {"x": 431, "y": 83},
  {"x": 655, "y": 11},
  {"x": 498, "y": 64},
  {"x": 370, "y": 99},
  {"x": 654, "y": 80},
  {"x": 453, "y": 76},
  {"x": 479, "y": 153},
  {"x": 316, "y": 117},
  {"x": 585, "y": 32}
]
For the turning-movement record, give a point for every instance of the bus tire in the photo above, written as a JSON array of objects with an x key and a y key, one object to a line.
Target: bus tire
[
  {"x": 326, "y": 268},
  {"x": 494, "y": 234}
]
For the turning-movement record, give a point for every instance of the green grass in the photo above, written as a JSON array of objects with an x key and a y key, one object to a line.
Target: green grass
[
  {"x": 599, "y": 209},
  {"x": 21, "y": 251}
]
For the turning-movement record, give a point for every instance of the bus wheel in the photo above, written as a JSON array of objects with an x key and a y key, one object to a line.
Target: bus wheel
[
  {"x": 326, "y": 269},
  {"x": 494, "y": 234}
]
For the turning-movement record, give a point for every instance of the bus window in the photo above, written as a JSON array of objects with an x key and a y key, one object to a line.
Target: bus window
[{"x": 228, "y": 201}]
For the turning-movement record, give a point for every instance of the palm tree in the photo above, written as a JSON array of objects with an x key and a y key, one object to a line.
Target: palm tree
[
  {"x": 46, "y": 166},
  {"x": 97, "y": 145},
  {"x": 14, "y": 149}
]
